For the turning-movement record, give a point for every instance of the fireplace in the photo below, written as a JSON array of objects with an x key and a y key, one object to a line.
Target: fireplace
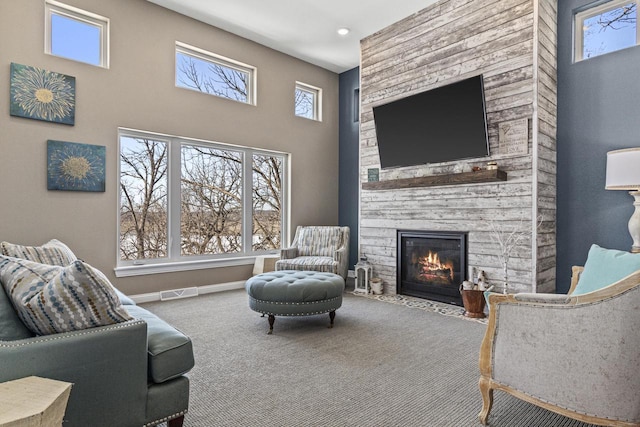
[{"x": 431, "y": 264}]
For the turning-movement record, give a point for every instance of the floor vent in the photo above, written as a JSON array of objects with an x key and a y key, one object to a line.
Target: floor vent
[{"x": 178, "y": 293}]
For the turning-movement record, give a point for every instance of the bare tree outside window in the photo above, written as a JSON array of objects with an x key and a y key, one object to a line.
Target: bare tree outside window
[
  {"x": 611, "y": 30},
  {"x": 212, "y": 77},
  {"x": 143, "y": 199},
  {"x": 211, "y": 194},
  {"x": 267, "y": 202},
  {"x": 304, "y": 103}
]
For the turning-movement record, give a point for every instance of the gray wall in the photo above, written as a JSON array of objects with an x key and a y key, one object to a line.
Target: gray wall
[
  {"x": 349, "y": 127},
  {"x": 138, "y": 91},
  {"x": 598, "y": 111}
]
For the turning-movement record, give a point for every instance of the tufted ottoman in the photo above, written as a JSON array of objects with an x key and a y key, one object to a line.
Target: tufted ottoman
[{"x": 295, "y": 293}]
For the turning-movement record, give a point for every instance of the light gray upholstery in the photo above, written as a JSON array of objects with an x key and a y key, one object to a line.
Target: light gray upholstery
[
  {"x": 295, "y": 293},
  {"x": 575, "y": 355},
  {"x": 317, "y": 248}
]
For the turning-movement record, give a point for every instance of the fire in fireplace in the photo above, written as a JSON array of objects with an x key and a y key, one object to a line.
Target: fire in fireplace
[{"x": 431, "y": 264}]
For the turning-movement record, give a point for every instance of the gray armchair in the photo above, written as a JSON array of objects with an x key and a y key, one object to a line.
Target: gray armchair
[
  {"x": 576, "y": 355},
  {"x": 317, "y": 248}
]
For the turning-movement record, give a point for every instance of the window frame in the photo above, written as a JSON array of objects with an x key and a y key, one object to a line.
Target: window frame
[
  {"x": 317, "y": 97},
  {"x": 582, "y": 14},
  {"x": 82, "y": 16},
  {"x": 204, "y": 55},
  {"x": 174, "y": 261}
]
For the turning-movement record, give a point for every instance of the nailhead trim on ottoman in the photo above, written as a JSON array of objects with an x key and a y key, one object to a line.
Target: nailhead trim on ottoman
[{"x": 295, "y": 293}]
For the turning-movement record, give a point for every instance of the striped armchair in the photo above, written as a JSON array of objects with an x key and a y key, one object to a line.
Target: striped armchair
[{"x": 317, "y": 248}]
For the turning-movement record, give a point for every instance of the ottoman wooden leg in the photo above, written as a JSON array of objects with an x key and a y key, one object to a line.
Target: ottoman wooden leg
[
  {"x": 272, "y": 319},
  {"x": 332, "y": 315}
]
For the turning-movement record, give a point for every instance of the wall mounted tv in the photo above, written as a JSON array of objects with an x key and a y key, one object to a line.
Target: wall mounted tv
[{"x": 443, "y": 124}]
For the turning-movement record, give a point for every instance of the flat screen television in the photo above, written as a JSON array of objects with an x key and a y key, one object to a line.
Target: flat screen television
[{"x": 439, "y": 125}]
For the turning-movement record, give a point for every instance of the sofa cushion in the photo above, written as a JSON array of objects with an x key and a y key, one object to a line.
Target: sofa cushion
[
  {"x": 54, "y": 252},
  {"x": 53, "y": 299},
  {"x": 315, "y": 263},
  {"x": 605, "y": 267},
  {"x": 11, "y": 327},
  {"x": 170, "y": 351}
]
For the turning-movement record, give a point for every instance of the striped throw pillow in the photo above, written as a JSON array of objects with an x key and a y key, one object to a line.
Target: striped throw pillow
[
  {"x": 54, "y": 252},
  {"x": 53, "y": 299}
]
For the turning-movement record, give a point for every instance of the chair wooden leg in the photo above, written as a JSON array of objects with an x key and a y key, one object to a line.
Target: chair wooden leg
[
  {"x": 487, "y": 399},
  {"x": 176, "y": 422}
]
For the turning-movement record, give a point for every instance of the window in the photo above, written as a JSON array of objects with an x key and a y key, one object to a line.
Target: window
[
  {"x": 206, "y": 72},
  {"x": 308, "y": 101},
  {"x": 76, "y": 34},
  {"x": 186, "y": 201},
  {"x": 605, "y": 28}
]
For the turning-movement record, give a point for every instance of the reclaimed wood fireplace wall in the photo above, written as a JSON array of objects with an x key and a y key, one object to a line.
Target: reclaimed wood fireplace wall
[{"x": 513, "y": 44}]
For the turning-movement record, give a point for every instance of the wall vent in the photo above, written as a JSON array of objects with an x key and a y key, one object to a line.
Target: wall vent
[{"x": 178, "y": 293}]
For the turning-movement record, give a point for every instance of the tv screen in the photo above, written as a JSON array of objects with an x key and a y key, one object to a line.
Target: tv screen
[{"x": 439, "y": 125}]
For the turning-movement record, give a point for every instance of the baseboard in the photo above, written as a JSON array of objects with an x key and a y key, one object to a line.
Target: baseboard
[{"x": 202, "y": 290}]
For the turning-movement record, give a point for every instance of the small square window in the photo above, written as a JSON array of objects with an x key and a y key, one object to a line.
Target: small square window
[
  {"x": 605, "y": 28},
  {"x": 76, "y": 34},
  {"x": 206, "y": 72},
  {"x": 308, "y": 101}
]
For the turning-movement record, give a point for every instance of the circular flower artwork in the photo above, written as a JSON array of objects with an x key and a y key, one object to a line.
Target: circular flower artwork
[
  {"x": 75, "y": 167},
  {"x": 42, "y": 95}
]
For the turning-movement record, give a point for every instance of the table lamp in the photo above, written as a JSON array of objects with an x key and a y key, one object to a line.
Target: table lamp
[{"x": 623, "y": 173}]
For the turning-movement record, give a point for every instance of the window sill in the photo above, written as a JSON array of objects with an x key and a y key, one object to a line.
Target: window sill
[{"x": 172, "y": 267}]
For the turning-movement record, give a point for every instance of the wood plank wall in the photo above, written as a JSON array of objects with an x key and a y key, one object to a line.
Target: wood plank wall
[{"x": 512, "y": 43}]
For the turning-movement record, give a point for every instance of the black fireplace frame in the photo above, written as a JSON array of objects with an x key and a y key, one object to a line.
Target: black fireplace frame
[{"x": 432, "y": 292}]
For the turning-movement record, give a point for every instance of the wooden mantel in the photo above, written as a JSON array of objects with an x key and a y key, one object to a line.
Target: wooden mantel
[{"x": 438, "y": 180}]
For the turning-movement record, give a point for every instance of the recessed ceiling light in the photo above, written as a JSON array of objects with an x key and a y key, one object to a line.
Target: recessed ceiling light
[{"x": 343, "y": 31}]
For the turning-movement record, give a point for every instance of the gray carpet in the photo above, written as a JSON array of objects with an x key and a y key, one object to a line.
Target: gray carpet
[{"x": 382, "y": 364}]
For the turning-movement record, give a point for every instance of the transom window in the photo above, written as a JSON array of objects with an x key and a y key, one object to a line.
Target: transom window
[
  {"x": 206, "y": 72},
  {"x": 184, "y": 200},
  {"x": 308, "y": 101},
  {"x": 76, "y": 34},
  {"x": 606, "y": 27}
]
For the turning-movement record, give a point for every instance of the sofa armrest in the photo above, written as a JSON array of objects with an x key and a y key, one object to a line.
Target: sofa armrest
[
  {"x": 107, "y": 366},
  {"x": 289, "y": 253}
]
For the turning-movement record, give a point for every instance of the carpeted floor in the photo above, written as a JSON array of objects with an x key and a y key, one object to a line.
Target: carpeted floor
[{"x": 381, "y": 365}]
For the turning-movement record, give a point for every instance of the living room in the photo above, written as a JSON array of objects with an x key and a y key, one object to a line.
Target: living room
[{"x": 588, "y": 111}]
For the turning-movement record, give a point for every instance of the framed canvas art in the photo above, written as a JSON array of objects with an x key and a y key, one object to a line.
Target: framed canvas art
[
  {"x": 75, "y": 167},
  {"x": 42, "y": 95}
]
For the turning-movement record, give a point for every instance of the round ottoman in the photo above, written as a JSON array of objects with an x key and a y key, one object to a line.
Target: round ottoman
[{"x": 295, "y": 293}]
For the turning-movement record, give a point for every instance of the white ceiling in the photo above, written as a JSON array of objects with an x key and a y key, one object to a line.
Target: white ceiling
[{"x": 305, "y": 29}]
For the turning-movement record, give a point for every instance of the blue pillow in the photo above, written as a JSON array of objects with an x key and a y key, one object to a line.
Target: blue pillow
[{"x": 604, "y": 267}]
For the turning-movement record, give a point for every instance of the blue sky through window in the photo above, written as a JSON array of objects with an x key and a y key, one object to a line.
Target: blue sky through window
[
  {"x": 74, "y": 39},
  {"x": 609, "y": 31}
]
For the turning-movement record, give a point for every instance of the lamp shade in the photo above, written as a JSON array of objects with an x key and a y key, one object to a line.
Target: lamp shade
[{"x": 623, "y": 169}]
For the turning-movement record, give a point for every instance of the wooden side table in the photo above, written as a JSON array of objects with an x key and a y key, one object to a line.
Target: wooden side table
[
  {"x": 33, "y": 402},
  {"x": 265, "y": 264}
]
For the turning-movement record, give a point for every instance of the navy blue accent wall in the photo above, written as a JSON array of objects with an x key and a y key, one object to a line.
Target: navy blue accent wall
[
  {"x": 349, "y": 86},
  {"x": 598, "y": 111}
]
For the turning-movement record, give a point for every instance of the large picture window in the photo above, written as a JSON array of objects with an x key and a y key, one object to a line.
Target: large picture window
[
  {"x": 606, "y": 27},
  {"x": 194, "y": 204}
]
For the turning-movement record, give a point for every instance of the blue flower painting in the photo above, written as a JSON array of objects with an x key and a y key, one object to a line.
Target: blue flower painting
[
  {"x": 75, "y": 167},
  {"x": 42, "y": 95}
]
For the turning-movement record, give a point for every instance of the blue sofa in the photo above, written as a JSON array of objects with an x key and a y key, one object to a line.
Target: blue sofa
[{"x": 126, "y": 374}]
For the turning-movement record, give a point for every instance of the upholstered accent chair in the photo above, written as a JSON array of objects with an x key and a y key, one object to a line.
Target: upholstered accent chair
[
  {"x": 317, "y": 248},
  {"x": 576, "y": 354}
]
